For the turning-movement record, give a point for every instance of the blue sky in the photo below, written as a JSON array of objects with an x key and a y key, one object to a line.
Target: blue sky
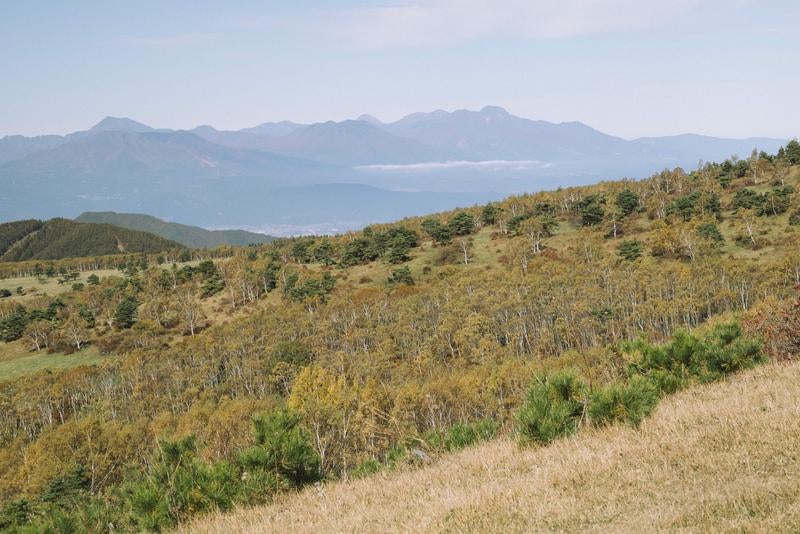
[{"x": 627, "y": 67}]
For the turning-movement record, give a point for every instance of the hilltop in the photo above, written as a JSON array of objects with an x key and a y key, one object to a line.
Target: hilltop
[
  {"x": 190, "y": 236},
  {"x": 62, "y": 238}
]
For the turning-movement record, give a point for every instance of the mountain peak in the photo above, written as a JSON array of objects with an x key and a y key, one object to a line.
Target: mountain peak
[
  {"x": 366, "y": 117},
  {"x": 120, "y": 124},
  {"x": 274, "y": 129},
  {"x": 203, "y": 129},
  {"x": 494, "y": 111}
]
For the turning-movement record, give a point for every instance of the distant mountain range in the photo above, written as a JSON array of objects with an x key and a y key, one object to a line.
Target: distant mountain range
[
  {"x": 190, "y": 236},
  {"x": 270, "y": 174},
  {"x": 489, "y": 134}
]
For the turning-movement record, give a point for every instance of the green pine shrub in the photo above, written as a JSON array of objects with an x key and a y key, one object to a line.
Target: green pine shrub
[
  {"x": 282, "y": 448},
  {"x": 179, "y": 485},
  {"x": 401, "y": 276},
  {"x": 630, "y": 249},
  {"x": 669, "y": 366},
  {"x": 686, "y": 358},
  {"x": 15, "y": 514},
  {"x": 553, "y": 407},
  {"x": 727, "y": 351},
  {"x": 628, "y": 403},
  {"x": 555, "y": 403},
  {"x": 710, "y": 232}
]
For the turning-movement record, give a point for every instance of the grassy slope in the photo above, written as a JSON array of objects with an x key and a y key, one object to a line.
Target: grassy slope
[
  {"x": 17, "y": 360},
  {"x": 722, "y": 457},
  {"x": 34, "y": 286}
]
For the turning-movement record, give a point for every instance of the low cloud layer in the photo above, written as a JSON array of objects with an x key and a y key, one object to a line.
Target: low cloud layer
[{"x": 488, "y": 165}]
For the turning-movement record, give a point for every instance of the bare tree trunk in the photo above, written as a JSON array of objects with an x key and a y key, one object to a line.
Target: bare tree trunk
[
  {"x": 749, "y": 226},
  {"x": 464, "y": 249}
]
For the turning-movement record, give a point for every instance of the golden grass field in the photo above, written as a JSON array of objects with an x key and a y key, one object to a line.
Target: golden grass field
[{"x": 717, "y": 458}]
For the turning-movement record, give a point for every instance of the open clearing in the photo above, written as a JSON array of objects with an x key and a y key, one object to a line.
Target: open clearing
[
  {"x": 16, "y": 360},
  {"x": 34, "y": 286}
]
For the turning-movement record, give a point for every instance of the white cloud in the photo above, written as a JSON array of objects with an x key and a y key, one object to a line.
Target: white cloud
[
  {"x": 490, "y": 165},
  {"x": 440, "y": 22}
]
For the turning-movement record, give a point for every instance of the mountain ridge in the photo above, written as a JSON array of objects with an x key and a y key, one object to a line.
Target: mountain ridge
[
  {"x": 190, "y": 236},
  {"x": 352, "y": 142},
  {"x": 60, "y": 238},
  {"x": 262, "y": 135}
]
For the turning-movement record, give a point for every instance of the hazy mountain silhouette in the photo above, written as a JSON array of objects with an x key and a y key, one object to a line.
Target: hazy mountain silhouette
[
  {"x": 275, "y": 129},
  {"x": 353, "y": 143},
  {"x": 212, "y": 177},
  {"x": 493, "y": 133},
  {"x": 692, "y": 147},
  {"x": 17, "y": 146},
  {"x": 119, "y": 124}
]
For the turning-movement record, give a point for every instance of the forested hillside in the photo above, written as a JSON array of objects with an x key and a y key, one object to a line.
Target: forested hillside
[
  {"x": 62, "y": 238},
  {"x": 190, "y": 236},
  {"x": 236, "y": 378},
  {"x": 12, "y": 232}
]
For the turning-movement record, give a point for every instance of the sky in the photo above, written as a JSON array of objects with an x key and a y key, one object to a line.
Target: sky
[{"x": 627, "y": 67}]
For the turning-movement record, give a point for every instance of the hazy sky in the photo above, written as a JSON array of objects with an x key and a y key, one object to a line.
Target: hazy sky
[{"x": 627, "y": 67}]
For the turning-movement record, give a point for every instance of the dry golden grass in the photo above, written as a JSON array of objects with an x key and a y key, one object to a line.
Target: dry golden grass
[{"x": 723, "y": 458}]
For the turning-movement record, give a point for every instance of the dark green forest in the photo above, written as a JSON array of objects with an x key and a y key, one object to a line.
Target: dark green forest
[
  {"x": 189, "y": 236},
  {"x": 12, "y": 232},
  {"x": 63, "y": 238}
]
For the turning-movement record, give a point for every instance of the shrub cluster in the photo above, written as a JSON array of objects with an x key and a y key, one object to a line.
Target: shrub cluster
[
  {"x": 460, "y": 224},
  {"x": 557, "y": 403},
  {"x": 177, "y": 484},
  {"x": 12, "y": 327},
  {"x": 310, "y": 288},
  {"x": 553, "y": 407},
  {"x": 393, "y": 245},
  {"x": 774, "y": 202}
]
